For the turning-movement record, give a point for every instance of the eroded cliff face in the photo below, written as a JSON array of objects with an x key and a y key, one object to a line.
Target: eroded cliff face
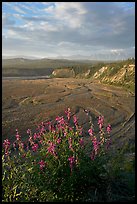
[
  {"x": 63, "y": 73},
  {"x": 124, "y": 75},
  {"x": 113, "y": 74},
  {"x": 105, "y": 73}
]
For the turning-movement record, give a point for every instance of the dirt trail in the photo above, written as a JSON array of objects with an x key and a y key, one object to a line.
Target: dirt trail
[{"x": 27, "y": 102}]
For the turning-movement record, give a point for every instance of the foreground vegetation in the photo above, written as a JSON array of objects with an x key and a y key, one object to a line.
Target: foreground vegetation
[{"x": 57, "y": 163}]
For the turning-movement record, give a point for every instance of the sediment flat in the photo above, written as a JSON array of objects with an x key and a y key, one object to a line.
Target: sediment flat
[{"x": 26, "y": 103}]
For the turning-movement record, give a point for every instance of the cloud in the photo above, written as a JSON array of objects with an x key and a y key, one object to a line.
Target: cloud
[
  {"x": 108, "y": 24},
  {"x": 19, "y": 10},
  {"x": 7, "y": 21},
  {"x": 72, "y": 13},
  {"x": 53, "y": 28}
]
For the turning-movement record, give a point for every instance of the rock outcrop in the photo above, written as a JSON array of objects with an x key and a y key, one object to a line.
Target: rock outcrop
[
  {"x": 124, "y": 75},
  {"x": 63, "y": 73}
]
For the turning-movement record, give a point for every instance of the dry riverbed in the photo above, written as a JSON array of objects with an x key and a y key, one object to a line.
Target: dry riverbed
[{"x": 25, "y": 103}]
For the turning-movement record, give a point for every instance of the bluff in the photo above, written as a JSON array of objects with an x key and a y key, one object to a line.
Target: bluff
[{"x": 63, "y": 73}]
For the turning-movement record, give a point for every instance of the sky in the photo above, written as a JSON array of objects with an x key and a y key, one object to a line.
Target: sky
[{"x": 85, "y": 30}]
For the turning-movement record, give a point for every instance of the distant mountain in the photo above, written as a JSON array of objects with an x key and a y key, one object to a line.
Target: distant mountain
[
  {"x": 21, "y": 56},
  {"x": 111, "y": 56},
  {"x": 21, "y": 62},
  {"x": 74, "y": 57},
  {"x": 28, "y": 67}
]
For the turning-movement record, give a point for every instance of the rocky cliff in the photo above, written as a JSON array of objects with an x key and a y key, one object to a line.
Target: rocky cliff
[
  {"x": 117, "y": 73},
  {"x": 122, "y": 75},
  {"x": 63, "y": 73}
]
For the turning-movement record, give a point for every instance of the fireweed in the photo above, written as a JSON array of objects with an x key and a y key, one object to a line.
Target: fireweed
[{"x": 56, "y": 163}]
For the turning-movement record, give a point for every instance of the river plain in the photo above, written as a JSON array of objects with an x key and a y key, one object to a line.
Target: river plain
[{"x": 26, "y": 103}]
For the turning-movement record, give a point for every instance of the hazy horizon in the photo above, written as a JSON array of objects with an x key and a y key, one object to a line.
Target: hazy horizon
[{"x": 60, "y": 58}]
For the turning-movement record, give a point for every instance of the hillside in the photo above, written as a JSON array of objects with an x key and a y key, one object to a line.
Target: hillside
[
  {"x": 121, "y": 73},
  {"x": 33, "y": 67},
  {"x": 29, "y": 67},
  {"x": 21, "y": 63}
]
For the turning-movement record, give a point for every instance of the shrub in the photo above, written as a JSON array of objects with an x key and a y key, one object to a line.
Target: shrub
[{"x": 57, "y": 163}]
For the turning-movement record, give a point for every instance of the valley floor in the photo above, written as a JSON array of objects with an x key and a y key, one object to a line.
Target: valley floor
[{"x": 25, "y": 103}]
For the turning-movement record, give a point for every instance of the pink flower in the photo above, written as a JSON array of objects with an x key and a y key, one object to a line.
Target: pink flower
[
  {"x": 71, "y": 162},
  {"x": 21, "y": 145},
  {"x": 51, "y": 148},
  {"x": 57, "y": 118},
  {"x": 95, "y": 144},
  {"x": 29, "y": 131},
  {"x": 59, "y": 140},
  {"x": 109, "y": 128},
  {"x": 41, "y": 141},
  {"x": 17, "y": 135},
  {"x": 42, "y": 130},
  {"x": 24, "y": 155},
  {"x": 70, "y": 143},
  {"x": 70, "y": 128},
  {"x": 30, "y": 140},
  {"x": 6, "y": 145},
  {"x": 65, "y": 134},
  {"x": 53, "y": 130},
  {"x": 42, "y": 164},
  {"x": 75, "y": 120},
  {"x": 67, "y": 112},
  {"x": 70, "y": 147},
  {"x": 90, "y": 131},
  {"x": 70, "y": 140},
  {"x": 100, "y": 121},
  {"x": 81, "y": 141},
  {"x": 49, "y": 125},
  {"x": 35, "y": 147},
  {"x": 80, "y": 130},
  {"x": 38, "y": 135},
  {"x": 60, "y": 120},
  {"x": 14, "y": 145},
  {"x": 35, "y": 136}
]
